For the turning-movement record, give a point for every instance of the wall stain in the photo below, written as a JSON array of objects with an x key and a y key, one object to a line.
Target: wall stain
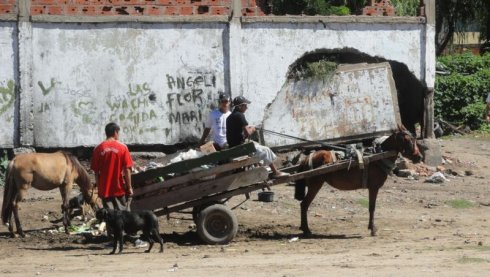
[{"x": 7, "y": 96}]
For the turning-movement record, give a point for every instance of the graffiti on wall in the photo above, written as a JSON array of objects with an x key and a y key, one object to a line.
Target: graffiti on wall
[
  {"x": 7, "y": 97},
  {"x": 134, "y": 108},
  {"x": 190, "y": 97},
  {"x": 180, "y": 112}
]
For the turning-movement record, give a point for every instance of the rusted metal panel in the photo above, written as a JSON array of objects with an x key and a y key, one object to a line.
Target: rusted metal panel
[{"x": 357, "y": 101}]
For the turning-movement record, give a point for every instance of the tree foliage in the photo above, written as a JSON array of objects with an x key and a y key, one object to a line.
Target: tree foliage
[
  {"x": 454, "y": 16},
  {"x": 309, "y": 7},
  {"x": 460, "y": 95}
]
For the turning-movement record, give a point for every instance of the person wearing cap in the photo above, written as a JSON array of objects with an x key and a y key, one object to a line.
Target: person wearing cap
[
  {"x": 238, "y": 129},
  {"x": 217, "y": 123}
]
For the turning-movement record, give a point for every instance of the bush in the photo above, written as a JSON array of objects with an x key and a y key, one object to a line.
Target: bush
[
  {"x": 307, "y": 7},
  {"x": 460, "y": 96}
]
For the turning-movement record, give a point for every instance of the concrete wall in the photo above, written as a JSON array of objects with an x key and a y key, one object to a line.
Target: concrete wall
[
  {"x": 159, "y": 78},
  {"x": 8, "y": 65},
  {"x": 157, "y": 81},
  {"x": 356, "y": 101},
  {"x": 269, "y": 49}
]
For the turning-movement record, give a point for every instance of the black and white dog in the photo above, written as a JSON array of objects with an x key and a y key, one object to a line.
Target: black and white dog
[
  {"x": 78, "y": 202},
  {"x": 131, "y": 223}
]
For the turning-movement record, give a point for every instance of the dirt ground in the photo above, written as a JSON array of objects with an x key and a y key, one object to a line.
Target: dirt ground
[{"x": 423, "y": 230}]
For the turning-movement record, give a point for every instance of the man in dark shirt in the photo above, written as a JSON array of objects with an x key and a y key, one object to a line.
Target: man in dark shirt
[{"x": 237, "y": 130}]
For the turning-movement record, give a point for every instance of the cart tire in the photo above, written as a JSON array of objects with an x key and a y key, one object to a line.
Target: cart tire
[
  {"x": 217, "y": 224},
  {"x": 196, "y": 211}
]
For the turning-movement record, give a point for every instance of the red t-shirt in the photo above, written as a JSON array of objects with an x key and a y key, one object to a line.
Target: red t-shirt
[{"x": 109, "y": 159}]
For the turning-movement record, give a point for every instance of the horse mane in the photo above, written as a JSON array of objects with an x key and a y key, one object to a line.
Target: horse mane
[{"x": 83, "y": 179}]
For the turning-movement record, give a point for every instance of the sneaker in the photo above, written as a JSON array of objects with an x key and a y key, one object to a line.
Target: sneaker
[
  {"x": 280, "y": 174},
  {"x": 140, "y": 244}
]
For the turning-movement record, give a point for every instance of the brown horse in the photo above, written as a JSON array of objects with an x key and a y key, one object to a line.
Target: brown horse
[
  {"x": 44, "y": 171},
  {"x": 400, "y": 141}
]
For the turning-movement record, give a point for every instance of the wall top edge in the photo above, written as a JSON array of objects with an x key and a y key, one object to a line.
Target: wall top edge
[
  {"x": 123, "y": 18},
  {"x": 8, "y": 17},
  {"x": 334, "y": 19},
  {"x": 222, "y": 19}
]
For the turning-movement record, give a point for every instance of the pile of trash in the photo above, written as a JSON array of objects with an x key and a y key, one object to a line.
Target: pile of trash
[{"x": 433, "y": 174}]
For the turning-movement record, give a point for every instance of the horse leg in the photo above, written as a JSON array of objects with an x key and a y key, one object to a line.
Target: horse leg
[
  {"x": 305, "y": 204},
  {"x": 64, "y": 190},
  {"x": 15, "y": 209},
  {"x": 373, "y": 193}
]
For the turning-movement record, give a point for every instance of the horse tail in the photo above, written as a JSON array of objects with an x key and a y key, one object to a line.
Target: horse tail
[
  {"x": 9, "y": 192},
  {"x": 83, "y": 179},
  {"x": 300, "y": 185}
]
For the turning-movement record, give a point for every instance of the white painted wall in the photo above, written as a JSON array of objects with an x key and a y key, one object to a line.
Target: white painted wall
[
  {"x": 85, "y": 76},
  {"x": 76, "y": 77},
  {"x": 7, "y": 83},
  {"x": 269, "y": 49},
  {"x": 357, "y": 101}
]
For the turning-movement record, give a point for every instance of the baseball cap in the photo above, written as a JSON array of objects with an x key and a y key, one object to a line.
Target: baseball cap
[
  {"x": 240, "y": 100},
  {"x": 223, "y": 96}
]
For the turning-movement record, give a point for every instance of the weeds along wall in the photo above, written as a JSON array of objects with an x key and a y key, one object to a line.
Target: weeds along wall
[{"x": 69, "y": 67}]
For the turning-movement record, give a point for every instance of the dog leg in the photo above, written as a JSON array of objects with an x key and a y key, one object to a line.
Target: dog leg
[
  {"x": 121, "y": 241},
  {"x": 158, "y": 238},
  {"x": 147, "y": 234},
  {"x": 83, "y": 210},
  {"x": 114, "y": 243}
]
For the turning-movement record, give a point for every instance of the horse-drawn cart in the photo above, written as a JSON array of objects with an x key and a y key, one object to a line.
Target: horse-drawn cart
[{"x": 190, "y": 184}]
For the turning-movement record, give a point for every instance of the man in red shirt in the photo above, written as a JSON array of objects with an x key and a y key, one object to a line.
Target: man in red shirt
[{"x": 112, "y": 164}]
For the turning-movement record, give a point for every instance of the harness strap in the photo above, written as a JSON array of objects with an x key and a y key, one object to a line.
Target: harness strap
[
  {"x": 334, "y": 156},
  {"x": 365, "y": 172},
  {"x": 360, "y": 159},
  {"x": 310, "y": 160}
]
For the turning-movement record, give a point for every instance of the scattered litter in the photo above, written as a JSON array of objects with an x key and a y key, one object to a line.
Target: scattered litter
[
  {"x": 153, "y": 165},
  {"x": 293, "y": 239},
  {"x": 437, "y": 178},
  {"x": 191, "y": 154},
  {"x": 45, "y": 218}
]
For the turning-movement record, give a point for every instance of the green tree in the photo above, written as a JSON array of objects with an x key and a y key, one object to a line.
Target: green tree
[{"x": 453, "y": 16}]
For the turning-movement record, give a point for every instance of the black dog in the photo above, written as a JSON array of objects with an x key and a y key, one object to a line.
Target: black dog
[
  {"x": 131, "y": 223},
  {"x": 78, "y": 202}
]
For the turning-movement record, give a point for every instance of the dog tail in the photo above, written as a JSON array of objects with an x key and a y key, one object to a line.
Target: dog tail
[{"x": 9, "y": 193}]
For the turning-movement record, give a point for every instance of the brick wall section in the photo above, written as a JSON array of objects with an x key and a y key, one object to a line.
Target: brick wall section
[
  {"x": 8, "y": 7},
  {"x": 130, "y": 7},
  {"x": 255, "y": 7}
]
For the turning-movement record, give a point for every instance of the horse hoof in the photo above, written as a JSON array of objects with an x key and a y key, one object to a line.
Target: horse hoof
[
  {"x": 147, "y": 251},
  {"x": 306, "y": 232},
  {"x": 13, "y": 236},
  {"x": 373, "y": 232}
]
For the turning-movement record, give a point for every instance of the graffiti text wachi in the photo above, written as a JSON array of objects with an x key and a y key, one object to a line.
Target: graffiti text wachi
[
  {"x": 189, "y": 96},
  {"x": 133, "y": 108}
]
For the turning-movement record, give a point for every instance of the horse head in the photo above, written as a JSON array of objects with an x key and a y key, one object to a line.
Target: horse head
[
  {"x": 82, "y": 179},
  {"x": 402, "y": 141}
]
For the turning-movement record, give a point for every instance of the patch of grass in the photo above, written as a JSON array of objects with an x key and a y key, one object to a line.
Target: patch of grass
[
  {"x": 460, "y": 204},
  {"x": 363, "y": 202},
  {"x": 468, "y": 260},
  {"x": 320, "y": 70}
]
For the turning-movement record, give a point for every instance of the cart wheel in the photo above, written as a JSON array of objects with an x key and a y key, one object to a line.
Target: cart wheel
[
  {"x": 217, "y": 224},
  {"x": 197, "y": 210}
]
